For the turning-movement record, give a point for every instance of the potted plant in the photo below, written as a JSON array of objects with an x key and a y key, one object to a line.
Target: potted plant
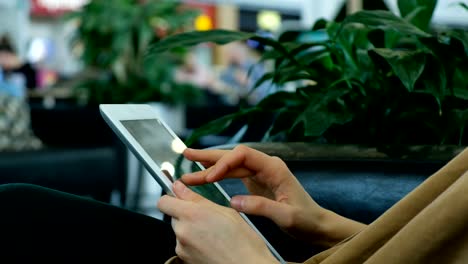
[
  {"x": 114, "y": 37},
  {"x": 378, "y": 80}
]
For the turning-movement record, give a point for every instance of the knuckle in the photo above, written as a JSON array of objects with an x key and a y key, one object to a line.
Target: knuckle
[
  {"x": 290, "y": 219},
  {"x": 178, "y": 230},
  {"x": 179, "y": 250},
  {"x": 182, "y": 234},
  {"x": 162, "y": 201},
  {"x": 241, "y": 148},
  {"x": 254, "y": 206},
  {"x": 192, "y": 216},
  {"x": 277, "y": 160}
]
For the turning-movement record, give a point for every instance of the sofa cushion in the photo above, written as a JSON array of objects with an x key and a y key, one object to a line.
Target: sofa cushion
[{"x": 91, "y": 172}]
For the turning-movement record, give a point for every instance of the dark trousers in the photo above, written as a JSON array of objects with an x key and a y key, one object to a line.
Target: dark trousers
[{"x": 40, "y": 225}]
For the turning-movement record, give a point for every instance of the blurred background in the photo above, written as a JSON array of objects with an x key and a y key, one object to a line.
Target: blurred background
[{"x": 61, "y": 58}]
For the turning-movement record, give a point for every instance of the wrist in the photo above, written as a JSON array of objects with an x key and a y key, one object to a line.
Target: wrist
[{"x": 333, "y": 228}]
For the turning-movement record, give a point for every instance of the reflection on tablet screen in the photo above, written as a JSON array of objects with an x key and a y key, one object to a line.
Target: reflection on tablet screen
[{"x": 166, "y": 152}]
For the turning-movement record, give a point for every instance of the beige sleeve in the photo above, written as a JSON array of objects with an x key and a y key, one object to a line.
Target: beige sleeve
[{"x": 426, "y": 226}]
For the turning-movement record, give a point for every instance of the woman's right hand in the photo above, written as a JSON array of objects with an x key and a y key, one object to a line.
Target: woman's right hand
[{"x": 276, "y": 193}]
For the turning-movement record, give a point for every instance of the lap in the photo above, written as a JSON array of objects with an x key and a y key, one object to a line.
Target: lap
[{"x": 47, "y": 224}]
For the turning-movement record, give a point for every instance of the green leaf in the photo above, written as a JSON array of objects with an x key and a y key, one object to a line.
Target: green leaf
[
  {"x": 266, "y": 77},
  {"x": 377, "y": 38},
  {"x": 278, "y": 46},
  {"x": 407, "y": 65},
  {"x": 288, "y": 36},
  {"x": 462, "y": 114},
  {"x": 218, "y": 36},
  {"x": 317, "y": 118},
  {"x": 283, "y": 122},
  {"x": 463, "y": 5},
  {"x": 462, "y": 119},
  {"x": 282, "y": 49},
  {"x": 279, "y": 100},
  {"x": 423, "y": 16},
  {"x": 288, "y": 73},
  {"x": 461, "y": 35},
  {"x": 270, "y": 55},
  {"x": 461, "y": 93},
  {"x": 145, "y": 35},
  {"x": 317, "y": 122},
  {"x": 307, "y": 46},
  {"x": 434, "y": 80},
  {"x": 298, "y": 76},
  {"x": 349, "y": 40},
  {"x": 320, "y": 24},
  {"x": 384, "y": 20},
  {"x": 311, "y": 57},
  {"x": 216, "y": 126},
  {"x": 278, "y": 104},
  {"x": 273, "y": 55}
]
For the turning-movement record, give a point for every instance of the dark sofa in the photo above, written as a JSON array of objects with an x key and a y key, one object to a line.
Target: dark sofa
[{"x": 81, "y": 155}]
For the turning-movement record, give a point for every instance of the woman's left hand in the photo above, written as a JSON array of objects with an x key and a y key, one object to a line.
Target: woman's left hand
[{"x": 210, "y": 233}]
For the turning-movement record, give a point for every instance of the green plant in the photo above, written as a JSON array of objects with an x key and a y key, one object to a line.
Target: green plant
[
  {"x": 378, "y": 80},
  {"x": 115, "y": 36}
]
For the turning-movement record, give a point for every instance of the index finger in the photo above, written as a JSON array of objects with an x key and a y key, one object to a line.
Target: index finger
[
  {"x": 209, "y": 156},
  {"x": 253, "y": 160}
]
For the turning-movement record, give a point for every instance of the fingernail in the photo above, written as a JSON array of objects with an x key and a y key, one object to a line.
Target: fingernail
[
  {"x": 179, "y": 186},
  {"x": 236, "y": 203},
  {"x": 187, "y": 149}
]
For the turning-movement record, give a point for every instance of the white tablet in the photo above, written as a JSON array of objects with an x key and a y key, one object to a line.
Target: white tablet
[{"x": 160, "y": 150}]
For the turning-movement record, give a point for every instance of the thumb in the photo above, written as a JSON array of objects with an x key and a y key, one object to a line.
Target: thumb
[
  {"x": 280, "y": 213},
  {"x": 184, "y": 193}
]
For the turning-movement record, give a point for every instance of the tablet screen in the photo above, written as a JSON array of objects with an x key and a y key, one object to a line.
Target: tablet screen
[{"x": 166, "y": 151}]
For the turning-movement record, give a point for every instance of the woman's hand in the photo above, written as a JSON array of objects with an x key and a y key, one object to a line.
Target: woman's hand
[
  {"x": 210, "y": 233},
  {"x": 276, "y": 194}
]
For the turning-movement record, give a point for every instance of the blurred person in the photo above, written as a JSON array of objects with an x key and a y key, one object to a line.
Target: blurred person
[
  {"x": 193, "y": 72},
  {"x": 10, "y": 89},
  {"x": 20, "y": 73},
  {"x": 242, "y": 73},
  {"x": 198, "y": 74},
  {"x": 15, "y": 120}
]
